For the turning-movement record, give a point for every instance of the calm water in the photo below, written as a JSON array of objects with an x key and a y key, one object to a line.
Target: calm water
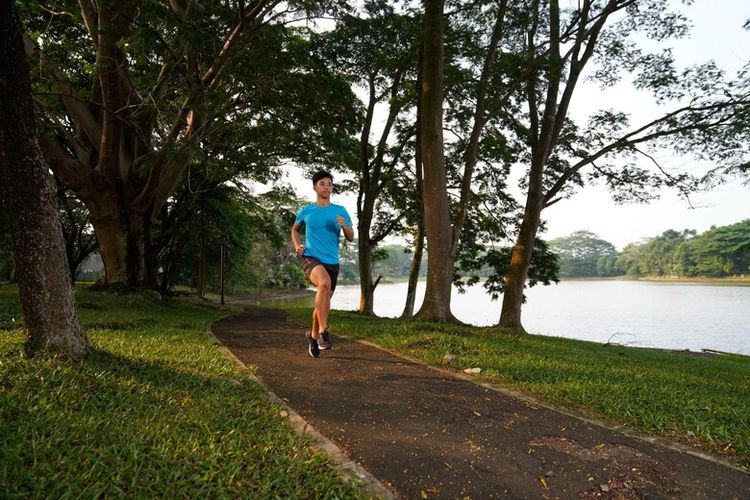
[{"x": 644, "y": 314}]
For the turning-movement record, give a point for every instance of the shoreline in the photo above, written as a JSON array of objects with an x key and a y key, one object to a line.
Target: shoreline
[{"x": 732, "y": 280}]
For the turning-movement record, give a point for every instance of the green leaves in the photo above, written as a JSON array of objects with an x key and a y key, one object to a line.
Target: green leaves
[{"x": 493, "y": 265}]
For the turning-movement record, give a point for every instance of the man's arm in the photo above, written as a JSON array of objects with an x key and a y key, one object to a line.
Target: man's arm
[
  {"x": 297, "y": 240},
  {"x": 348, "y": 231}
]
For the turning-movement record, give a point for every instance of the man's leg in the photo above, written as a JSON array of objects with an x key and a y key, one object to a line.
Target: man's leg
[
  {"x": 324, "y": 340},
  {"x": 315, "y": 324},
  {"x": 322, "y": 281}
]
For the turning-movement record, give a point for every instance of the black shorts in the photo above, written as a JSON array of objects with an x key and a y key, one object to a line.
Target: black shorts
[{"x": 309, "y": 263}]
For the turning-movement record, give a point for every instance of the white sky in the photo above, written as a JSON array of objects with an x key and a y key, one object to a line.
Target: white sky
[{"x": 717, "y": 35}]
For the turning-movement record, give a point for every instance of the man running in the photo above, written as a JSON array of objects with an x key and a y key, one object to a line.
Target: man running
[{"x": 319, "y": 254}]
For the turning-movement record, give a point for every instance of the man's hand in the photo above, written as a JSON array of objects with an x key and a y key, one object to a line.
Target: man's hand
[
  {"x": 299, "y": 249},
  {"x": 340, "y": 220}
]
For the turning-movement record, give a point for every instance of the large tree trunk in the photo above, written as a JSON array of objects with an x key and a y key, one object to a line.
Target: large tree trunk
[
  {"x": 436, "y": 305},
  {"x": 137, "y": 249},
  {"x": 121, "y": 245},
  {"x": 47, "y": 300}
]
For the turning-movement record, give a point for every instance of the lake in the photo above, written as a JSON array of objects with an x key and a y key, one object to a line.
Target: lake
[{"x": 669, "y": 315}]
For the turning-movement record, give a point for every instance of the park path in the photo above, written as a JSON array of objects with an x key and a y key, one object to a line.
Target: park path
[{"x": 426, "y": 433}]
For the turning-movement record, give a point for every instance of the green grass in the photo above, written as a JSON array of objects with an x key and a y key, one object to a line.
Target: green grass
[
  {"x": 694, "y": 399},
  {"x": 156, "y": 410}
]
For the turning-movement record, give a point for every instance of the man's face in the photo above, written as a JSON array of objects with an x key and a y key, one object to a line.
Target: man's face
[{"x": 324, "y": 187}]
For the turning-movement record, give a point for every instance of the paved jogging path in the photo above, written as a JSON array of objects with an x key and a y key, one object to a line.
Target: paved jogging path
[{"x": 427, "y": 434}]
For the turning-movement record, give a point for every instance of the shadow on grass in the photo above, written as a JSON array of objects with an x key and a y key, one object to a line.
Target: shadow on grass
[{"x": 115, "y": 425}]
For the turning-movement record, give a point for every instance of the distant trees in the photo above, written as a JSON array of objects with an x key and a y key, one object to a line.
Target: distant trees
[
  {"x": 721, "y": 251},
  {"x": 389, "y": 261},
  {"x": 655, "y": 257},
  {"x": 580, "y": 254}
]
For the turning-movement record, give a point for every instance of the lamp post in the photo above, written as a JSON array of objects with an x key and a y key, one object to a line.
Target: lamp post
[{"x": 221, "y": 272}]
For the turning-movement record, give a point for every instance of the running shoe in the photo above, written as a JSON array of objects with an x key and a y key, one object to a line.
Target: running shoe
[
  {"x": 312, "y": 345},
  {"x": 324, "y": 342}
]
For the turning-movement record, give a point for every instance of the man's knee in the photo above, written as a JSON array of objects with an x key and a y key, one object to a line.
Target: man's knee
[
  {"x": 323, "y": 282},
  {"x": 320, "y": 278}
]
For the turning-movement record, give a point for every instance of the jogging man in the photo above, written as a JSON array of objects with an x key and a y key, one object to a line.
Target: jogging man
[{"x": 319, "y": 254}]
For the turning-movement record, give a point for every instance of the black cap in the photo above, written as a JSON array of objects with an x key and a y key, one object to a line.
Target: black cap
[{"x": 321, "y": 174}]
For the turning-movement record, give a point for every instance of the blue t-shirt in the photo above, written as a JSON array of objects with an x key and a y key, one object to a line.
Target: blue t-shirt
[{"x": 322, "y": 231}]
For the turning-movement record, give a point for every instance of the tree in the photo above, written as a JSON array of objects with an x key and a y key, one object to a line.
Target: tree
[
  {"x": 607, "y": 266},
  {"x": 290, "y": 109},
  {"x": 657, "y": 254},
  {"x": 47, "y": 300},
  {"x": 377, "y": 53},
  {"x": 479, "y": 108},
  {"x": 544, "y": 268},
  {"x": 559, "y": 48},
  {"x": 133, "y": 90},
  {"x": 579, "y": 254},
  {"x": 436, "y": 305},
  {"x": 414, "y": 204},
  {"x": 628, "y": 260},
  {"x": 721, "y": 251}
]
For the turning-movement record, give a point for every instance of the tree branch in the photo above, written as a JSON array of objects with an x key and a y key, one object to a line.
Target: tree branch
[
  {"x": 470, "y": 156},
  {"x": 630, "y": 139},
  {"x": 677, "y": 182}
]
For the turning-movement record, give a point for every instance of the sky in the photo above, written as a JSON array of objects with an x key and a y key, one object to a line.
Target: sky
[{"x": 716, "y": 34}]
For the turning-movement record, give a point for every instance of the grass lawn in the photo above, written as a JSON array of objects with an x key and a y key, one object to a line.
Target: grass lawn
[
  {"x": 156, "y": 411},
  {"x": 695, "y": 399}
]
